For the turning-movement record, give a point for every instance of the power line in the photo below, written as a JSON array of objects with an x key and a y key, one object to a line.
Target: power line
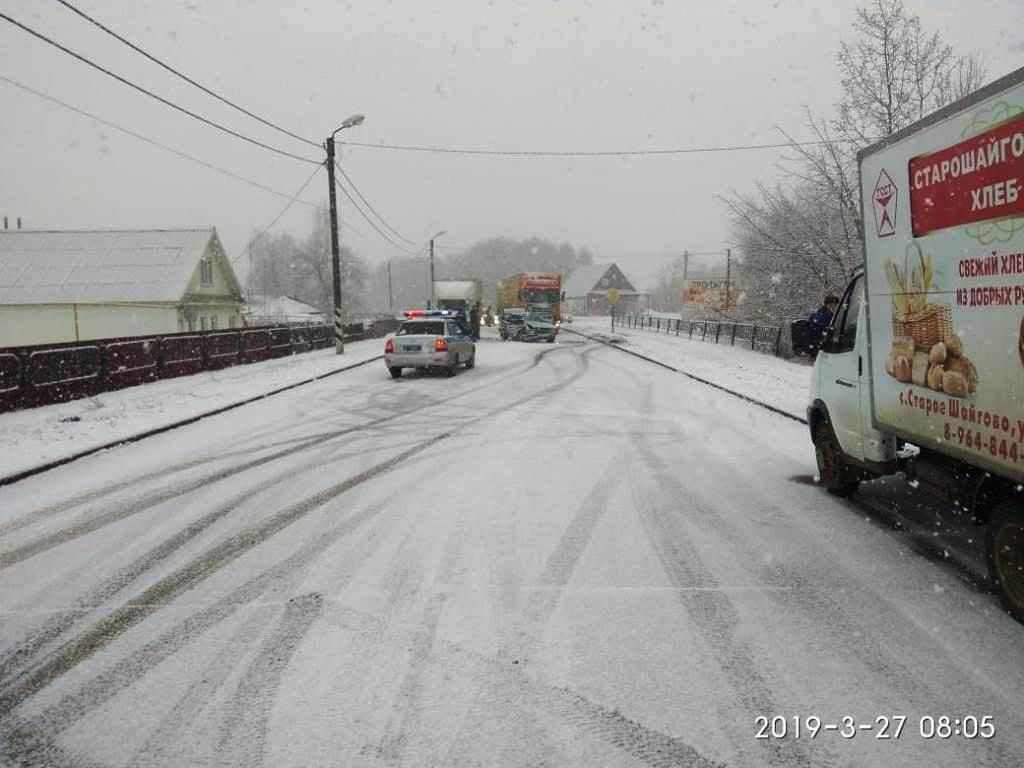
[
  {"x": 184, "y": 77},
  {"x": 152, "y": 95},
  {"x": 580, "y": 153},
  {"x": 383, "y": 221},
  {"x": 277, "y": 218},
  {"x": 148, "y": 140},
  {"x": 370, "y": 221}
]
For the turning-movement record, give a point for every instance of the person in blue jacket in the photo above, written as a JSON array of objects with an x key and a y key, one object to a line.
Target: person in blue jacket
[{"x": 819, "y": 322}]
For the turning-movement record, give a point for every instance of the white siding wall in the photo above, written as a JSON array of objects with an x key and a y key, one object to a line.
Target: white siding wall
[{"x": 52, "y": 323}]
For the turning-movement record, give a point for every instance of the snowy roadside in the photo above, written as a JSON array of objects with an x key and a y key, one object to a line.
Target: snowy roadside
[
  {"x": 782, "y": 384},
  {"x": 38, "y": 436}
]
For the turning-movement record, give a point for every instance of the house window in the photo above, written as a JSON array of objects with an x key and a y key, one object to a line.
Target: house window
[{"x": 206, "y": 271}]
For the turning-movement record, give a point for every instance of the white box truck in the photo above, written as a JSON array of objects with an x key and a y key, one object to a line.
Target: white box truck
[
  {"x": 458, "y": 294},
  {"x": 922, "y": 369}
]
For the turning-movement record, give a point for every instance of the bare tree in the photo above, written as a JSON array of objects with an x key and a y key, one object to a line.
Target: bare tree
[{"x": 800, "y": 239}]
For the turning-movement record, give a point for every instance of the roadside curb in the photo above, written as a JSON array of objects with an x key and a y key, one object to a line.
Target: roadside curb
[
  {"x": 25, "y": 473},
  {"x": 734, "y": 393}
]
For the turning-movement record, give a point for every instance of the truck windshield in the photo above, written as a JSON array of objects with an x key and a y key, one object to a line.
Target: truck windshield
[{"x": 539, "y": 295}]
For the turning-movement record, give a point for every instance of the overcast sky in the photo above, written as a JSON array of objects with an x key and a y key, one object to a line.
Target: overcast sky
[{"x": 531, "y": 75}]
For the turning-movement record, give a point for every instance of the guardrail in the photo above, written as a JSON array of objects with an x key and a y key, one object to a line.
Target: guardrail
[
  {"x": 53, "y": 373},
  {"x": 763, "y": 338}
]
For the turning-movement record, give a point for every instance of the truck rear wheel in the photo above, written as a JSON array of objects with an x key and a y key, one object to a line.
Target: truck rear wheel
[
  {"x": 1004, "y": 550},
  {"x": 832, "y": 469}
]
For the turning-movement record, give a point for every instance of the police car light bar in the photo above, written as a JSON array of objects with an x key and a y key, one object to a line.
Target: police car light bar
[{"x": 433, "y": 312}]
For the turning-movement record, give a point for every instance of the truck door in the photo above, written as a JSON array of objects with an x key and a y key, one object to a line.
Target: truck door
[{"x": 840, "y": 368}]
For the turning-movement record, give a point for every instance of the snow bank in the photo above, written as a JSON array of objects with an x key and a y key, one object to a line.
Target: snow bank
[
  {"x": 37, "y": 436},
  {"x": 781, "y": 383}
]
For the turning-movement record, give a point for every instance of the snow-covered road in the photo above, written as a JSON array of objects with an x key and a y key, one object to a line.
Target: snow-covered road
[{"x": 564, "y": 557}]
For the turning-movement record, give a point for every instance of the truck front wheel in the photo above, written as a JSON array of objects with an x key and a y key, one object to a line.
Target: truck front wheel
[
  {"x": 1004, "y": 550},
  {"x": 832, "y": 469}
]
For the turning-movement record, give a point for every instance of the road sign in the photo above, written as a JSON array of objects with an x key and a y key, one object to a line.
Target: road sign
[{"x": 613, "y": 297}]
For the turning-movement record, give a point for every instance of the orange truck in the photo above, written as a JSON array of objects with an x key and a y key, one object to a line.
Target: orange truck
[{"x": 537, "y": 292}]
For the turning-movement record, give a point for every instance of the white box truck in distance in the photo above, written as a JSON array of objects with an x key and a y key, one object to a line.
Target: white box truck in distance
[{"x": 922, "y": 370}]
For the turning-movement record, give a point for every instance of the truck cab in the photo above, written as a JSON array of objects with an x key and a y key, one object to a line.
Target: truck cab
[{"x": 847, "y": 446}]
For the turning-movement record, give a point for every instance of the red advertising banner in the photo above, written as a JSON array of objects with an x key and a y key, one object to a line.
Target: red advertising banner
[{"x": 976, "y": 180}]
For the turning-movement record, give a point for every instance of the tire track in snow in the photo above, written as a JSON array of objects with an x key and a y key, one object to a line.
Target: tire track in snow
[
  {"x": 74, "y": 706},
  {"x": 168, "y": 740},
  {"x": 186, "y": 577},
  {"x": 896, "y": 685},
  {"x": 712, "y": 611},
  {"x": 519, "y": 629},
  {"x": 147, "y": 501},
  {"x": 244, "y": 731},
  {"x": 652, "y": 748},
  {"x": 25, "y": 652},
  {"x": 54, "y": 509}
]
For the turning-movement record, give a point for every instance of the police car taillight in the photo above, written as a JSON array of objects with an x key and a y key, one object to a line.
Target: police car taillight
[
  {"x": 389, "y": 345},
  {"x": 440, "y": 345}
]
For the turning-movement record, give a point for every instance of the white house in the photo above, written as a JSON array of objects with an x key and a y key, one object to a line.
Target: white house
[
  {"x": 586, "y": 291},
  {"x": 274, "y": 310},
  {"x": 58, "y": 286}
]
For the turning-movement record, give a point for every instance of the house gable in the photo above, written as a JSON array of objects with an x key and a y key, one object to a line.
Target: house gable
[
  {"x": 213, "y": 276},
  {"x": 613, "y": 278}
]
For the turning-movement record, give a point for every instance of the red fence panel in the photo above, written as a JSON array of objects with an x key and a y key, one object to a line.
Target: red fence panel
[
  {"x": 181, "y": 356},
  {"x": 280, "y": 342},
  {"x": 256, "y": 345},
  {"x": 128, "y": 363},
  {"x": 222, "y": 350}
]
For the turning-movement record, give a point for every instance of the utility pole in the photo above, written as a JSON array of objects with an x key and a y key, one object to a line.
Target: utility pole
[
  {"x": 686, "y": 264},
  {"x": 431, "y": 299},
  {"x": 434, "y": 298},
  {"x": 728, "y": 275},
  {"x": 339, "y": 326},
  {"x": 391, "y": 302}
]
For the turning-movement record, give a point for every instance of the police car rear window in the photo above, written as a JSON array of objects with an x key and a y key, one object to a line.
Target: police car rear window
[{"x": 422, "y": 328}]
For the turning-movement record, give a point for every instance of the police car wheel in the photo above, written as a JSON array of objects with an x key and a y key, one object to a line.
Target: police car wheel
[{"x": 471, "y": 362}]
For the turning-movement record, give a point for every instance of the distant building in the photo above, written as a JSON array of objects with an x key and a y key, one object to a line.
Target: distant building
[
  {"x": 586, "y": 291},
  {"x": 58, "y": 286},
  {"x": 281, "y": 310}
]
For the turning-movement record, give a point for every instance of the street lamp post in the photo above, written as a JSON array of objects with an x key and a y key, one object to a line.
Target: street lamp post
[
  {"x": 339, "y": 325},
  {"x": 433, "y": 298}
]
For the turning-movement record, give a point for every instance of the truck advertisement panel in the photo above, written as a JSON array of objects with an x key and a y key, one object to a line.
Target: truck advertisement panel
[{"x": 944, "y": 265}]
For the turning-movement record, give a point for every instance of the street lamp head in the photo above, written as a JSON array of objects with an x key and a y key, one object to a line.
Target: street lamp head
[
  {"x": 350, "y": 121},
  {"x": 442, "y": 232}
]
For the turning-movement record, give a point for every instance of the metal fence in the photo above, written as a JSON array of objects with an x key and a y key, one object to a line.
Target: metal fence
[
  {"x": 763, "y": 338},
  {"x": 53, "y": 373}
]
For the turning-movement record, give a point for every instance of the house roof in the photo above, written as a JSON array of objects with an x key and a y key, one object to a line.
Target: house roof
[
  {"x": 281, "y": 306},
  {"x": 94, "y": 267},
  {"x": 583, "y": 279}
]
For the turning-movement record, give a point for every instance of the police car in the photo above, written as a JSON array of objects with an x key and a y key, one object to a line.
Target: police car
[{"x": 437, "y": 339}]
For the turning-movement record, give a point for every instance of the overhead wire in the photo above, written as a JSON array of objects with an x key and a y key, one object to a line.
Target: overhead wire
[
  {"x": 369, "y": 205},
  {"x": 277, "y": 218},
  {"x": 152, "y": 95},
  {"x": 387, "y": 238},
  {"x": 185, "y": 77},
  {"x": 153, "y": 142},
  {"x": 582, "y": 153}
]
